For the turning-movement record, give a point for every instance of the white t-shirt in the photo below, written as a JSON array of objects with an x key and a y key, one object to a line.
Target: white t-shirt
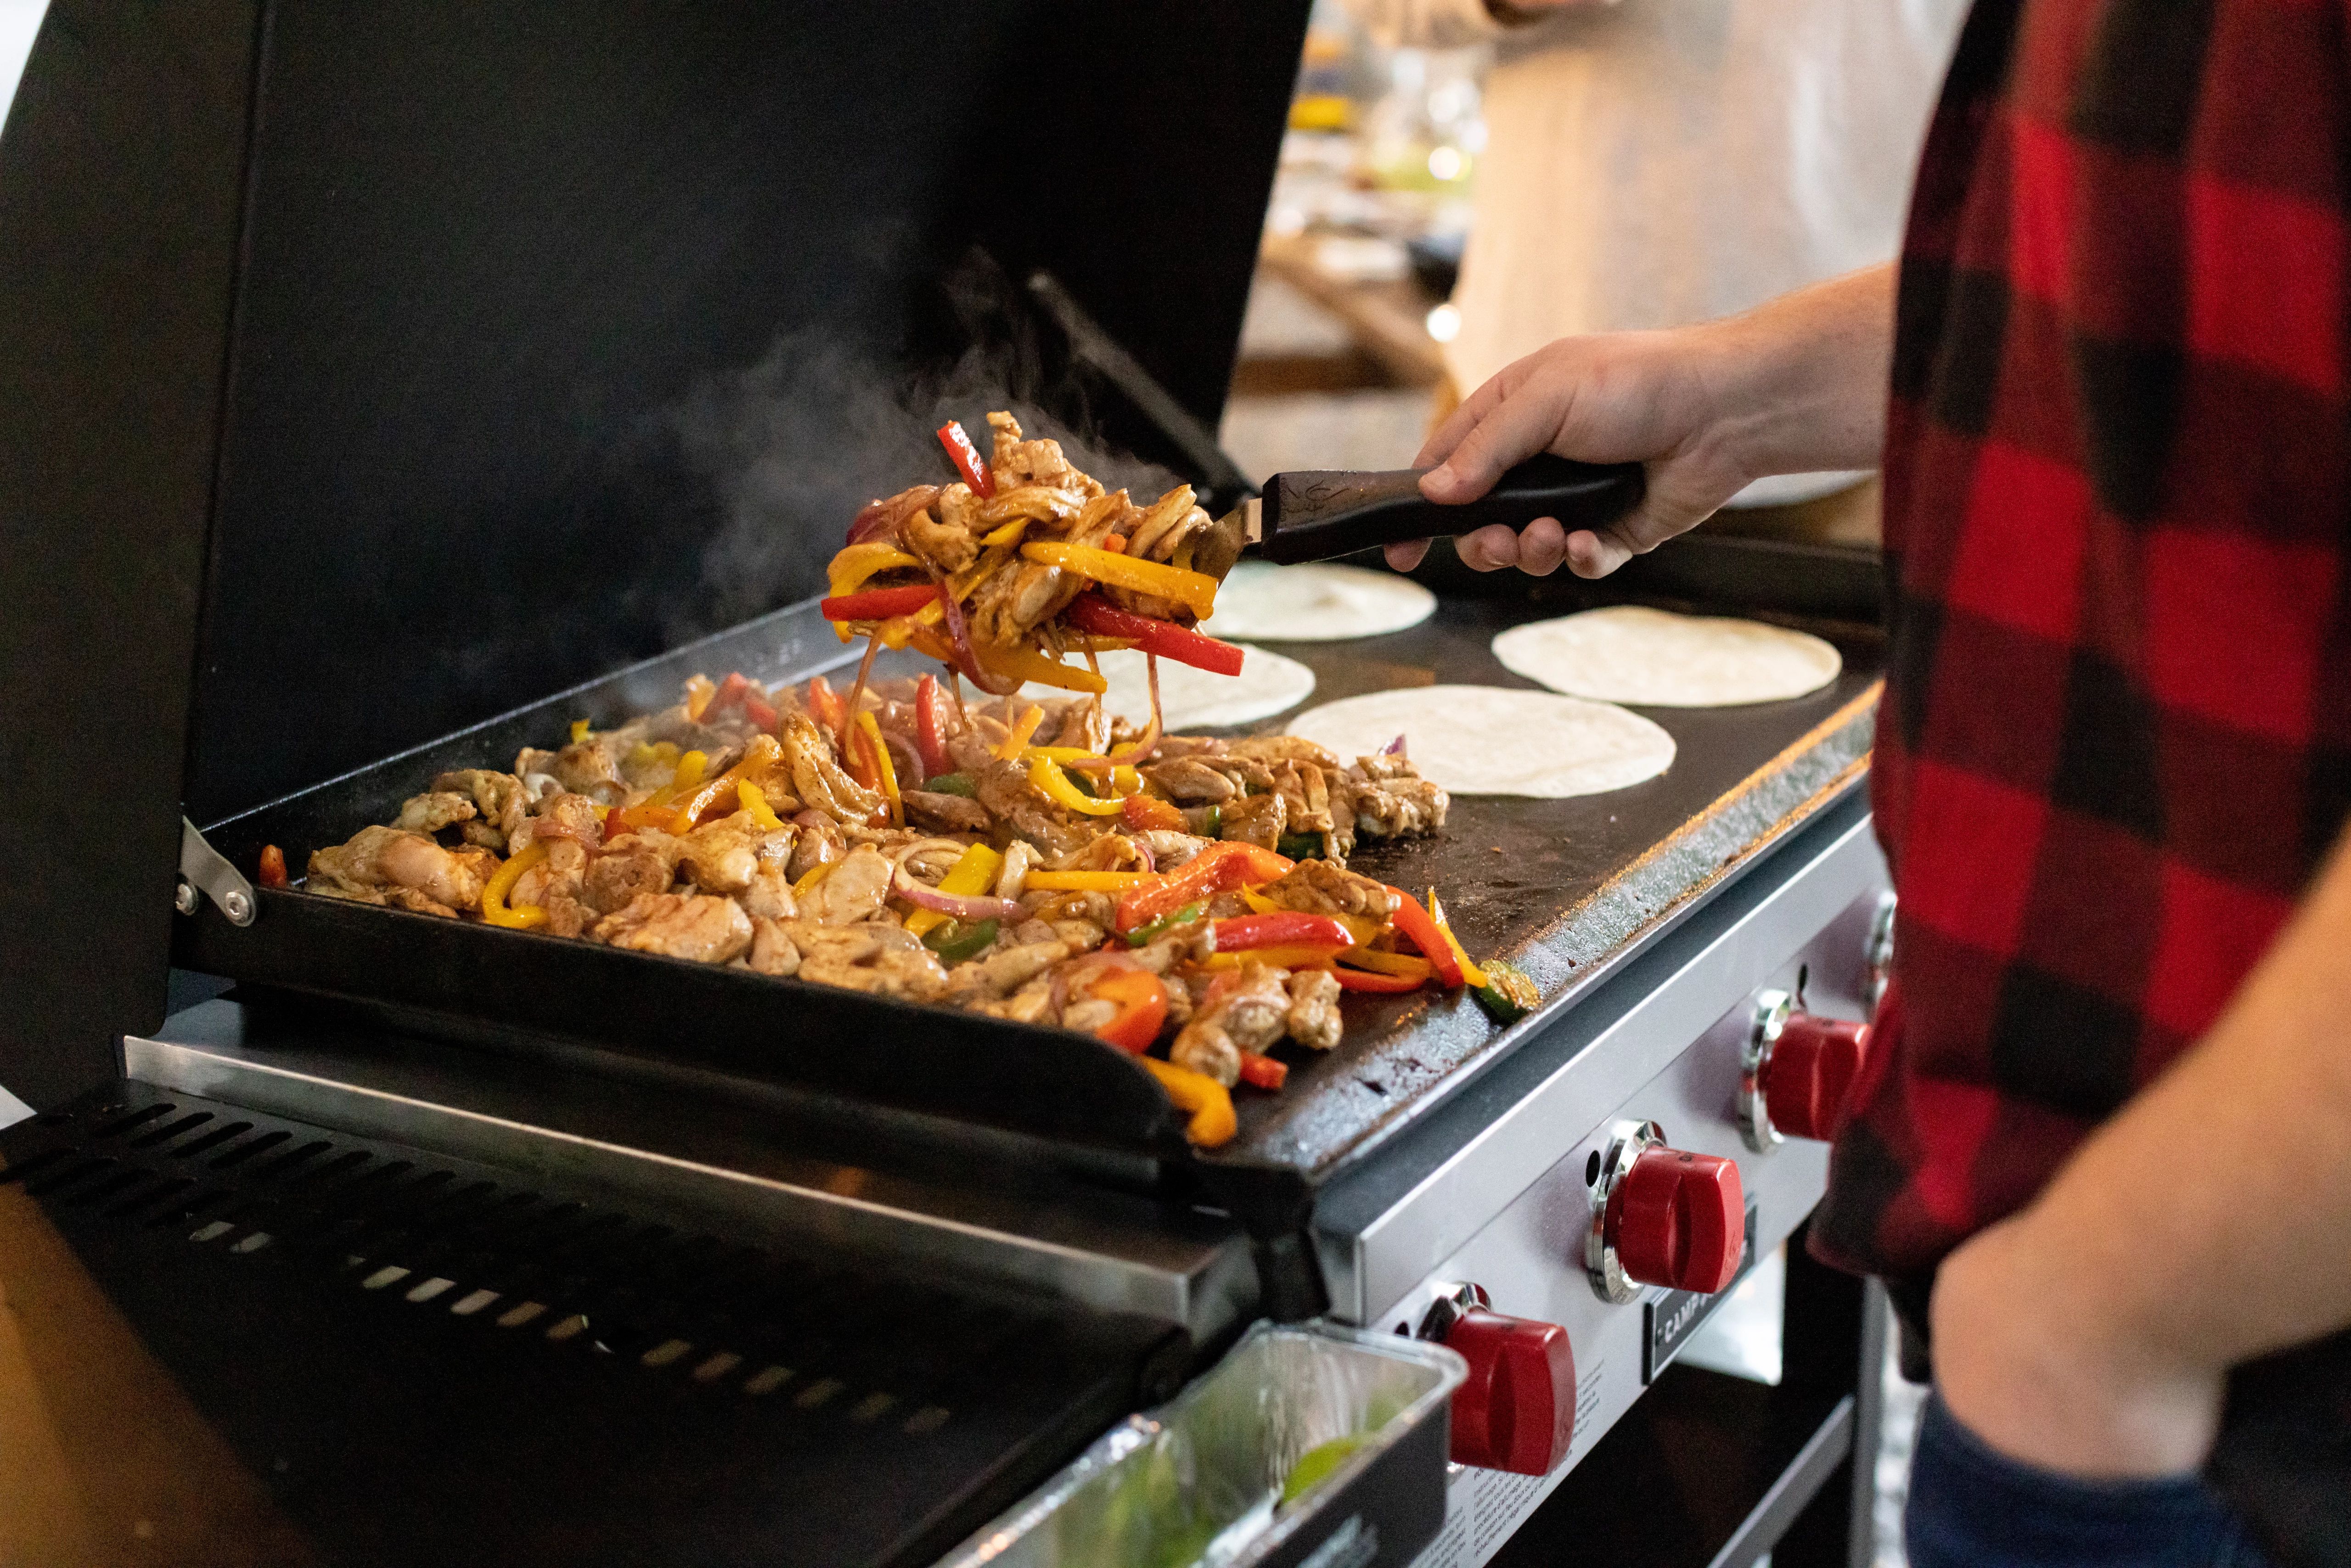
[{"x": 1661, "y": 161}]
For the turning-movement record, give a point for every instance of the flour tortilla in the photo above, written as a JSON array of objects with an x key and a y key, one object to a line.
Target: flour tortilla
[
  {"x": 1487, "y": 740},
  {"x": 1316, "y": 602},
  {"x": 1192, "y": 699},
  {"x": 1627, "y": 654}
]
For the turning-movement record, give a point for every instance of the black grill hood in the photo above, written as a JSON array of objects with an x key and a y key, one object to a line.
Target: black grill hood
[{"x": 366, "y": 370}]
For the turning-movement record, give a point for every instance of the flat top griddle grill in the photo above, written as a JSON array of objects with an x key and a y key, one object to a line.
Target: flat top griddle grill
[{"x": 1577, "y": 885}]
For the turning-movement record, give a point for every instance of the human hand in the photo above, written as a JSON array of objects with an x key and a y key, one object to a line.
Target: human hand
[
  {"x": 1619, "y": 397},
  {"x": 2027, "y": 1360}
]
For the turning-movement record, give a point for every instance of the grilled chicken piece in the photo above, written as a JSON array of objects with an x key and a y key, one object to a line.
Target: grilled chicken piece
[
  {"x": 1271, "y": 750},
  {"x": 875, "y": 956},
  {"x": 1164, "y": 523},
  {"x": 692, "y": 926},
  {"x": 818, "y": 779},
  {"x": 555, "y": 885},
  {"x": 1260, "y": 820},
  {"x": 1170, "y": 849},
  {"x": 1317, "y": 887},
  {"x": 562, "y": 813},
  {"x": 1019, "y": 598},
  {"x": 1016, "y": 462},
  {"x": 500, "y": 800},
  {"x": 1111, "y": 851},
  {"x": 946, "y": 541},
  {"x": 379, "y": 862},
  {"x": 945, "y": 813},
  {"x": 1081, "y": 725},
  {"x": 1396, "y": 802},
  {"x": 1033, "y": 1003},
  {"x": 1306, "y": 793},
  {"x": 1246, "y": 1016},
  {"x": 590, "y": 767},
  {"x": 852, "y": 890},
  {"x": 1057, "y": 508},
  {"x": 891, "y": 513},
  {"x": 1019, "y": 857},
  {"x": 770, "y": 895},
  {"x": 1313, "y": 1017},
  {"x": 433, "y": 811},
  {"x": 724, "y": 855},
  {"x": 1027, "y": 812},
  {"x": 820, "y": 841},
  {"x": 1190, "y": 782},
  {"x": 773, "y": 951},
  {"x": 1003, "y": 971},
  {"x": 632, "y": 866}
]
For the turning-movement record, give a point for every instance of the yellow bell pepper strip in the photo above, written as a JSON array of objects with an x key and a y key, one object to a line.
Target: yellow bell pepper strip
[
  {"x": 1300, "y": 955},
  {"x": 1471, "y": 975},
  {"x": 879, "y": 752},
  {"x": 1028, "y": 664},
  {"x": 975, "y": 873},
  {"x": 1403, "y": 964},
  {"x": 1422, "y": 931},
  {"x": 1196, "y": 591},
  {"x": 706, "y": 795},
  {"x": 1082, "y": 881},
  {"x": 807, "y": 884},
  {"x": 643, "y": 756},
  {"x": 689, "y": 770},
  {"x": 755, "y": 800},
  {"x": 1009, "y": 533},
  {"x": 1022, "y": 729},
  {"x": 502, "y": 881},
  {"x": 1211, "y": 1107},
  {"x": 579, "y": 730},
  {"x": 699, "y": 690},
  {"x": 1060, "y": 754},
  {"x": 858, "y": 562},
  {"x": 1047, "y": 775}
]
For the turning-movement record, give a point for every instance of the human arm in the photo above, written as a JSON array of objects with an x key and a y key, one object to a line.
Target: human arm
[
  {"x": 2207, "y": 1223},
  {"x": 1794, "y": 385},
  {"x": 1448, "y": 24}
]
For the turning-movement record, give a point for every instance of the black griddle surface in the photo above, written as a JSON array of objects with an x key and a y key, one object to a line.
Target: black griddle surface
[{"x": 1558, "y": 886}]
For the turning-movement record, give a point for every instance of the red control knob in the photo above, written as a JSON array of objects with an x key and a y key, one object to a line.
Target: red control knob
[
  {"x": 1516, "y": 1412},
  {"x": 1812, "y": 1065},
  {"x": 1678, "y": 1220}
]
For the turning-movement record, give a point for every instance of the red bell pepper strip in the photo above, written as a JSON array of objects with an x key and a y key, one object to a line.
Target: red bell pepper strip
[
  {"x": 878, "y": 603},
  {"x": 616, "y": 822},
  {"x": 1290, "y": 927},
  {"x": 1421, "y": 930},
  {"x": 1143, "y": 1005},
  {"x": 1092, "y": 613},
  {"x": 271, "y": 872},
  {"x": 1144, "y": 812},
  {"x": 931, "y": 727},
  {"x": 830, "y": 709},
  {"x": 976, "y": 472},
  {"x": 1263, "y": 1070},
  {"x": 1367, "y": 980},
  {"x": 1219, "y": 868},
  {"x": 739, "y": 690}
]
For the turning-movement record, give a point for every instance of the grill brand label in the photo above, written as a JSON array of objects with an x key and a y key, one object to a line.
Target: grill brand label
[{"x": 1673, "y": 1317}]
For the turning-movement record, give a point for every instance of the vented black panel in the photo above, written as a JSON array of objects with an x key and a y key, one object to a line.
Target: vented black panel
[{"x": 428, "y": 1359}]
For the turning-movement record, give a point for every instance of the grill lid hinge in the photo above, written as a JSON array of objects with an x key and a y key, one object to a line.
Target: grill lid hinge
[{"x": 202, "y": 867}]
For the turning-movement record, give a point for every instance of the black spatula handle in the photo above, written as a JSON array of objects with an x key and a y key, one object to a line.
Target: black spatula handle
[{"x": 1313, "y": 516}]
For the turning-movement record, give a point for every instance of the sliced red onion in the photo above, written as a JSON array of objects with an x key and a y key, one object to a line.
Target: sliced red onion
[
  {"x": 1149, "y": 868},
  {"x": 905, "y": 761},
  {"x": 966, "y": 658},
  {"x": 883, "y": 518},
  {"x": 961, "y": 906},
  {"x": 1394, "y": 747}
]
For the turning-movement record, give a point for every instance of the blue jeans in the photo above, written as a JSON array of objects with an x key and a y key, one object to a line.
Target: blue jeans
[{"x": 1972, "y": 1508}]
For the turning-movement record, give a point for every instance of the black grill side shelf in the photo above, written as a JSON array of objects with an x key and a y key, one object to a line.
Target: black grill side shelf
[{"x": 429, "y": 1359}]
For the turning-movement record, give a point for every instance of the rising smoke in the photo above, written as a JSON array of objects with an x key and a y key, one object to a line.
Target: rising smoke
[{"x": 797, "y": 444}]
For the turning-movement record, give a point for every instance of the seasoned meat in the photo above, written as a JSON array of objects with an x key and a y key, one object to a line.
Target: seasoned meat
[
  {"x": 696, "y": 926},
  {"x": 970, "y": 750},
  {"x": 1273, "y": 748},
  {"x": 946, "y": 545},
  {"x": 377, "y": 861},
  {"x": 1166, "y": 522},
  {"x": 1016, "y": 462},
  {"x": 818, "y": 779},
  {"x": 555, "y": 885},
  {"x": 1029, "y": 812},
  {"x": 724, "y": 855},
  {"x": 1317, "y": 887},
  {"x": 590, "y": 767},
  {"x": 1111, "y": 851},
  {"x": 1014, "y": 602},
  {"x": 1191, "y": 781},
  {"x": 945, "y": 813},
  {"x": 1018, "y": 857},
  {"x": 852, "y": 890},
  {"x": 770, "y": 895},
  {"x": 1093, "y": 909},
  {"x": 1033, "y": 1003},
  {"x": 886, "y": 960},
  {"x": 632, "y": 866},
  {"x": 502, "y": 800},
  {"x": 1313, "y": 1017},
  {"x": 1245, "y": 1011},
  {"x": 773, "y": 951},
  {"x": 1260, "y": 820},
  {"x": 1395, "y": 805},
  {"x": 1081, "y": 725},
  {"x": 819, "y": 842},
  {"x": 433, "y": 811},
  {"x": 571, "y": 815},
  {"x": 1170, "y": 849},
  {"x": 1045, "y": 504},
  {"x": 1306, "y": 794},
  {"x": 1003, "y": 971}
]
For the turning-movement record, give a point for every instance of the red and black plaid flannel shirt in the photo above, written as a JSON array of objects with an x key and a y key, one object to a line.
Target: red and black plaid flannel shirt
[{"x": 2117, "y": 735}]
